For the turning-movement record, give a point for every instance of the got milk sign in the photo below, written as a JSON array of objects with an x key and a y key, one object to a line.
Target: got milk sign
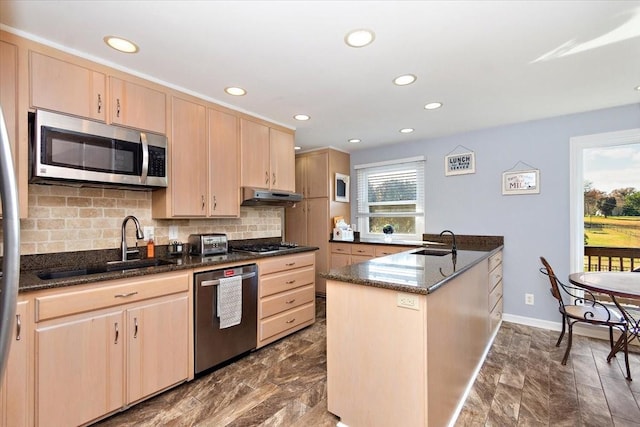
[
  {"x": 459, "y": 164},
  {"x": 521, "y": 182}
]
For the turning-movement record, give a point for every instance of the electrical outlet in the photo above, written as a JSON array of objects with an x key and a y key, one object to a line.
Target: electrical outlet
[
  {"x": 148, "y": 233},
  {"x": 528, "y": 299},
  {"x": 408, "y": 301},
  {"x": 173, "y": 232}
]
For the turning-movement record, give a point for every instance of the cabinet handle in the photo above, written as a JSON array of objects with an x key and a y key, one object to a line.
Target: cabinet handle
[
  {"x": 118, "y": 107},
  {"x": 291, "y": 301},
  {"x": 18, "y": 327},
  {"x": 135, "y": 327},
  {"x": 290, "y": 282},
  {"x": 99, "y": 103},
  {"x": 274, "y": 178},
  {"x": 266, "y": 177},
  {"x": 128, "y": 294},
  {"x": 117, "y": 333},
  {"x": 215, "y": 203},
  {"x": 290, "y": 264},
  {"x": 292, "y": 320},
  {"x": 359, "y": 251},
  {"x": 202, "y": 199}
]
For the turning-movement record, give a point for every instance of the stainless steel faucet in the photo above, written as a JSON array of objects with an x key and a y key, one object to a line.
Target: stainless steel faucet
[
  {"x": 139, "y": 236},
  {"x": 454, "y": 249}
]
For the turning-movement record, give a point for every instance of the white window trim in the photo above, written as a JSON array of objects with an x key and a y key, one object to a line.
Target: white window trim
[{"x": 419, "y": 216}]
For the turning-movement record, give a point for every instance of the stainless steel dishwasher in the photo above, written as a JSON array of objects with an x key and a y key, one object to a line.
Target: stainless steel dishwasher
[{"x": 213, "y": 345}]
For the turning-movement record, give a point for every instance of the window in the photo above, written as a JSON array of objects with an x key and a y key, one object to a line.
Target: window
[{"x": 391, "y": 193}]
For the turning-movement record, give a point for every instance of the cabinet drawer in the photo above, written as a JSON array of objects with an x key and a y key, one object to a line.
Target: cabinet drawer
[
  {"x": 288, "y": 262},
  {"x": 341, "y": 248},
  {"x": 287, "y": 300},
  {"x": 495, "y": 276},
  {"x": 280, "y": 282},
  {"x": 495, "y": 295},
  {"x": 287, "y": 320},
  {"x": 496, "y": 315},
  {"x": 363, "y": 250},
  {"x": 495, "y": 260},
  {"x": 389, "y": 250},
  {"x": 113, "y": 293}
]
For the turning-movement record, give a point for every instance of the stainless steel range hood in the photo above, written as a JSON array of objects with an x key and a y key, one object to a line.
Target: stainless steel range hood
[{"x": 259, "y": 197}]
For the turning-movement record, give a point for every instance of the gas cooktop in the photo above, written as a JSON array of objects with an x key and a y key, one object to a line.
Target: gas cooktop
[{"x": 264, "y": 248}]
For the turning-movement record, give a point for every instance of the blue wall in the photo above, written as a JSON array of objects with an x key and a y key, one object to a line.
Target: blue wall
[{"x": 532, "y": 225}]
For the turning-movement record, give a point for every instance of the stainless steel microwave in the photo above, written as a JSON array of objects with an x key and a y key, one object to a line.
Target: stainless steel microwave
[{"x": 84, "y": 152}]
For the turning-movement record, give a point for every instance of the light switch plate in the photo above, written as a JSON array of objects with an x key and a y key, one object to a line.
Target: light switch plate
[
  {"x": 148, "y": 233},
  {"x": 408, "y": 301},
  {"x": 173, "y": 232}
]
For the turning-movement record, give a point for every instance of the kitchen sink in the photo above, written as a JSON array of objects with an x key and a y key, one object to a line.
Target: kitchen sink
[
  {"x": 432, "y": 252},
  {"x": 103, "y": 268}
]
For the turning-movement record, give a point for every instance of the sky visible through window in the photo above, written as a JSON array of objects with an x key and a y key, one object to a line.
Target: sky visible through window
[{"x": 610, "y": 168}]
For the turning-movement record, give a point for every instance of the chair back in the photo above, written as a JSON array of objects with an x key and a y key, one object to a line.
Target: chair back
[{"x": 555, "y": 289}]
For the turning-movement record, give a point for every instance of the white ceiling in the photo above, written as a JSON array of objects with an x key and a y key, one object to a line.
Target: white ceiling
[{"x": 476, "y": 57}]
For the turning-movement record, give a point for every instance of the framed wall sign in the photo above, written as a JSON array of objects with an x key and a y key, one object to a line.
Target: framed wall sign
[
  {"x": 460, "y": 164},
  {"x": 521, "y": 182},
  {"x": 342, "y": 188}
]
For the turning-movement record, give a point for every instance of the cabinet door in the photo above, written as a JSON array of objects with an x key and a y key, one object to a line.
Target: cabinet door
[
  {"x": 79, "y": 369},
  {"x": 282, "y": 160},
  {"x": 224, "y": 164},
  {"x": 340, "y": 260},
  {"x": 295, "y": 224},
  {"x": 254, "y": 154},
  {"x": 188, "y": 183},
  {"x": 318, "y": 175},
  {"x": 137, "y": 106},
  {"x": 158, "y": 346},
  {"x": 318, "y": 231},
  {"x": 61, "y": 86},
  {"x": 301, "y": 175},
  {"x": 14, "y": 393}
]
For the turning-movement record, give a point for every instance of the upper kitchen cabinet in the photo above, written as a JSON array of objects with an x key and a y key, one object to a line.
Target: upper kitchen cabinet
[
  {"x": 188, "y": 183},
  {"x": 66, "y": 87},
  {"x": 224, "y": 164},
  {"x": 204, "y": 163},
  {"x": 137, "y": 106},
  {"x": 14, "y": 99},
  {"x": 312, "y": 174},
  {"x": 267, "y": 155}
]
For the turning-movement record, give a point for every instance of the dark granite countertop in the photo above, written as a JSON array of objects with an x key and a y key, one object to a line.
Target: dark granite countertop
[
  {"x": 29, "y": 280},
  {"x": 468, "y": 242},
  {"x": 406, "y": 272}
]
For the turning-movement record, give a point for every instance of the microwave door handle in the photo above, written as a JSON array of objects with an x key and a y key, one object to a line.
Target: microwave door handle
[{"x": 145, "y": 157}]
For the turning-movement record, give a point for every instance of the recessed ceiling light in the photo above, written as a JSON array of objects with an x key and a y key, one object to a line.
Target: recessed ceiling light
[
  {"x": 355, "y": 140},
  {"x": 406, "y": 130},
  {"x": 433, "y": 106},
  {"x": 637, "y": 87},
  {"x": 120, "y": 44},
  {"x": 359, "y": 38},
  {"x": 301, "y": 117},
  {"x": 235, "y": 91},
  {"x": 405, "y": 79},
  {"x": 297, "y": 148}
]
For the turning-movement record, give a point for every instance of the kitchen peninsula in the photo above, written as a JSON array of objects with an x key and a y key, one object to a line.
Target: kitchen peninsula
[{"x": 406, "y": 332}]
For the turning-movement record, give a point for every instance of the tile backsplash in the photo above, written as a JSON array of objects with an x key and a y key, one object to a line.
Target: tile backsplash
[{"x": 65, "y": 219}]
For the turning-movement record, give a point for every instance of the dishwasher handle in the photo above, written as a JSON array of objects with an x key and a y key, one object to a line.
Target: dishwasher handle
[{"x": 216, "y": 282}]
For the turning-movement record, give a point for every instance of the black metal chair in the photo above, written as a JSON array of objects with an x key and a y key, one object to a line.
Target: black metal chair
[{"x": 585, "y": 308}]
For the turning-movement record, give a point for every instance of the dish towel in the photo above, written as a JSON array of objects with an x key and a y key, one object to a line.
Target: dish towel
[{"x": 229, "y": 307}]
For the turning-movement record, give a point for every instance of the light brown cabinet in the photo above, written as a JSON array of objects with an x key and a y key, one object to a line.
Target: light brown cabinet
[
  {"x": 14, "y": 389},
  {"x": 267, "y": 157},
  {"x": 67, "y": 88},
  {"x": 286, "y": 296},
  {"x": 311, "y": 221},
  {"x": 352, "y": 253},
  {"x": 108, "y": 346},
  {"x": 204, "y": 164},
  {"x": 137, "y": 106}
]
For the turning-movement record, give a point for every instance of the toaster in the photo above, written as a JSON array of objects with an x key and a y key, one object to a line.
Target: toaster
[{"x": 207, "y": 244}]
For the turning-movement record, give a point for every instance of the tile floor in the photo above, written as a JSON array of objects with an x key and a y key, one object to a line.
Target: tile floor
[{"x": 522, "y": 383}]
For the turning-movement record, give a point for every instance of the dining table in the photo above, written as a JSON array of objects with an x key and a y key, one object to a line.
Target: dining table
[{"x": 618, "y": 285}]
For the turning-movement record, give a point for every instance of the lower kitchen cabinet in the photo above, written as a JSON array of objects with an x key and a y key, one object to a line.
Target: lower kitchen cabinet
[
  {"x": 345, "y": 253},
  {"x": 495, "y": 291},
  {"x": 286, "y": 294},
  {"x": 14, "y": 389},
  {"x": 95, "y": 356}
]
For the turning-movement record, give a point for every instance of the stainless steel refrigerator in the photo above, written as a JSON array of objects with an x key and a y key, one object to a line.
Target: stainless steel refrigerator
[{"x": 11, "y": 244}]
